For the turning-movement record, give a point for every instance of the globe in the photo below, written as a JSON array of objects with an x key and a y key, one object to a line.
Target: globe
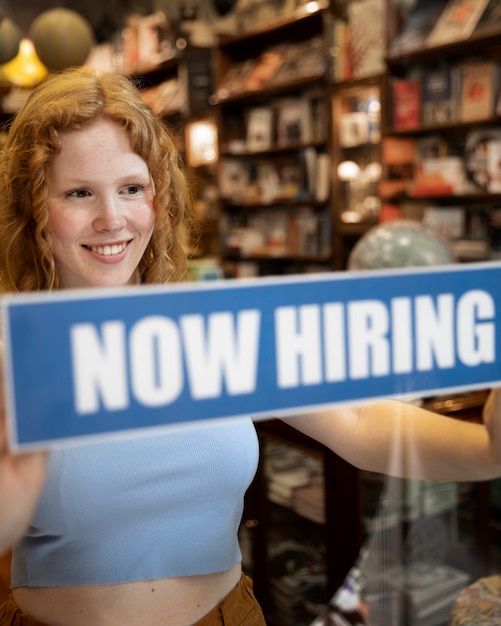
[{"x": 399, "y": 243}]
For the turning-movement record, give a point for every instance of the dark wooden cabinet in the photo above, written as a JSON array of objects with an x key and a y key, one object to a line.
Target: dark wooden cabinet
[{"x": 299, "y": 552}]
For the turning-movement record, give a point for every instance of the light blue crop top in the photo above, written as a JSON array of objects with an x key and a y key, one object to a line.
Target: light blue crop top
[{"x": 157, "y": 506}]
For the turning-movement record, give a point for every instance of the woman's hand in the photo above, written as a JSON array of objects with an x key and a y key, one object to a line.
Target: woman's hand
[{"x": 21, "y": 480}]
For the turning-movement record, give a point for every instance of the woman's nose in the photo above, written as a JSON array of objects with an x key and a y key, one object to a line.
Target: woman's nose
[{"x": 109, "y": 216}]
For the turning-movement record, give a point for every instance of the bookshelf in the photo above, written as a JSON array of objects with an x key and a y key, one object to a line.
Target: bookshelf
[
  {"x": 301, "y": 531},
  {"x": 442, "y": 98},
  {"x": 356, "y": 114},
  {"x": 275, "y": 128},
  {"x": 274, "y": 164},
  {"x": 178, "y": 90},
  {"x": 251, "y": 116}
]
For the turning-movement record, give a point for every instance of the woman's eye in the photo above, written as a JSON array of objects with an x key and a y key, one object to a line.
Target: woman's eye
[
  {"x": 134, "y": 189},
  {"x": 79, "y": 193}
]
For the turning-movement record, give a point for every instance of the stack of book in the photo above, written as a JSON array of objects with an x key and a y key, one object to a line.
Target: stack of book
[
  {"x": 428, "y": 591},
  {"x": 309, "y": 502},
  {"x": 298, "y": 582},
  {"x": 273, "y": 67}
]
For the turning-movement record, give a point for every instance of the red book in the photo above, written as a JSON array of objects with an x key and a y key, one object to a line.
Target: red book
[{"x": 406, "y": 104}]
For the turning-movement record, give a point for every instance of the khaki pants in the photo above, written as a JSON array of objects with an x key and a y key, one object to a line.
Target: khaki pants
[{"x": 239, "y": 608}]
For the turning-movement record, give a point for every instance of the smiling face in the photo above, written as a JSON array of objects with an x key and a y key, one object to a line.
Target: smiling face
[{"x": 101, "y": 214}]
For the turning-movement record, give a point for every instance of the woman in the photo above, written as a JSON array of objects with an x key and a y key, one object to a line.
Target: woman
[{"x": 144, "y": 531}]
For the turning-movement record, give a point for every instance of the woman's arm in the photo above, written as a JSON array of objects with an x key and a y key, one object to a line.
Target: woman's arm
[
  {"x": 21, "y": 480},
  {"x": 403, "y": 440}
]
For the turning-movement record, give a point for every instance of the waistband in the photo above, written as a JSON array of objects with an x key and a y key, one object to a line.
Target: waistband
[{"x": 238, "y": 608}]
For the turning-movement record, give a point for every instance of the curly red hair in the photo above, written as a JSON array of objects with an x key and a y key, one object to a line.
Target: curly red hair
[{"x": 66, "y": 101}]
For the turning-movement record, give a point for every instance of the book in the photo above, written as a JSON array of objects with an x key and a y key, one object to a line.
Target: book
[
  {"x": 448, "y": 222},
  {"x": 353, "y": 129},
  {"x": 494, "y": 166},
  {"x": 482, "y": 159},
  {"x": 439, "y": 96},
  {"x": 322, "y": 177},
  {"x": 419, "y": 23},
  {"x": 491, "y": 17},
  {"x": 367, "y": 49},
  {"x": 478, "y": 85},
  {"x": 439, "y": 176},
  {"x": 398, "y": 155},
  {"x": 340, "y": 51},
  {"x": 233, "y": 81},
  {"x": 456, "y": 22},
  {"x": 259, "y": 128},
  {"x": 264, "y": 70},
  {"x": 294, "y": 121},
  {"x": 406, "y": 103},
  {"x": 233, "y": 178},
  {"x": 318, "y": 108},
  {"x": 301, "y": 61},
  {"x": 168, "y": 97},
  {"x": 424, "y": 582}
]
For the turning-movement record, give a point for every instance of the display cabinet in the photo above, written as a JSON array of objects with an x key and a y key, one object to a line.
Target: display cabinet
[
  {"x": 301, "y": 531},
  {"x": 311, "y": 520}
]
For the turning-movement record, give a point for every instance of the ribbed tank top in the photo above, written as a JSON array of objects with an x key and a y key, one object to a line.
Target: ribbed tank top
[{"x": 159, "y": 505}]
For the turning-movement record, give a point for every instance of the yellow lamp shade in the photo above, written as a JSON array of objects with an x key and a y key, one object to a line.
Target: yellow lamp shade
[
  {"x": 10, "y": 38},
  {"x": 62, "y": 38},
  {"x": 25, "y": 70}
]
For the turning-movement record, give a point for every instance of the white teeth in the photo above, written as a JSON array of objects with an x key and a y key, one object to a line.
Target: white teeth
[{"x": 109, "y": 250}]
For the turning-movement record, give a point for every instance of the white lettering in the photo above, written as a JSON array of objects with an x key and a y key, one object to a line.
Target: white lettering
[
  {"x": 221, "y": 353},
  {"x": 99, "y": 367},
  {"x": 334, "y": 342},
  {"x": 297, "y": 336},
  {"x": 156, "y": 361},
  {"x": 476, "y": 341},
  {"x": 368, "y": 339},
  {"x": 434, "y": 331},
  {"x": 401, "y": 335}
]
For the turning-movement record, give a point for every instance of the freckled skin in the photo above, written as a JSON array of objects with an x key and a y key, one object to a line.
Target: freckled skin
[{"x": 101, "y": 213}]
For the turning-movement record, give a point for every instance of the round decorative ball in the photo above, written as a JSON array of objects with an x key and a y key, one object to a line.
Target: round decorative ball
[
  {"x": 10, "y": 38},
  {"x": 399, "y": 243},
  {"x": 62, "y": 38}
]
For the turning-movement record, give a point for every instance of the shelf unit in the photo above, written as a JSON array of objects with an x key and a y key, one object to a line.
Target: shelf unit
[
  {"x": 309, "y": 516},
  {"x": 274, "y": 130},
  {"x": 285, "y": 543},
  {"x": 455, "y": 139},
  {"x": 184, "y": 103},
  {"x": 356, "y": 155}
]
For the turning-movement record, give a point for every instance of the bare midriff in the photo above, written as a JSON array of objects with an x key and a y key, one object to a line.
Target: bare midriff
[{"x": 174, "y": 601}]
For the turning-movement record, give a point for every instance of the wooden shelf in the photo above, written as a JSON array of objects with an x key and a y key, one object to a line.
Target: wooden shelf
[{"x": 486, "y": 42}]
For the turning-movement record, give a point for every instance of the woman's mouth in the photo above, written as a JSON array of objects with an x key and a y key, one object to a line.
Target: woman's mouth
[{"x": 109, "y": 249}]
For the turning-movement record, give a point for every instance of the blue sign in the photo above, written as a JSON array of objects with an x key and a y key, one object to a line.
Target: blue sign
[{"x": 86, "y": 363}]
